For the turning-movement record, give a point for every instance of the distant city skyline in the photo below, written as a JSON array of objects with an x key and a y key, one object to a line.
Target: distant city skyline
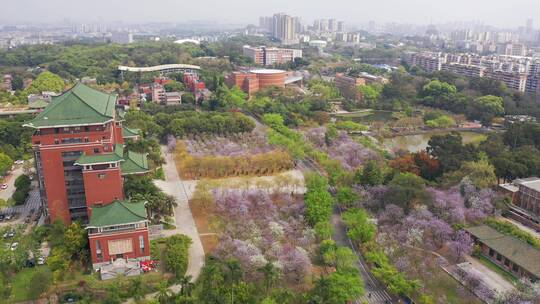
[{"x": 241, "y": 12}]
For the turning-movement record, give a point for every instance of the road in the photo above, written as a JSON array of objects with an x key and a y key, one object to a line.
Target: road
[{"x": 6, "y": 194}]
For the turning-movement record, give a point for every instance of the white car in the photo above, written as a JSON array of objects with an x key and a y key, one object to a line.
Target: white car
[
  {"x": 41, "y": 260},
  {"x": 14, "y": 246},
  {"x": 19, "y": 162},
  {"x": 9, "y": 234},
  {"x": 4, "y": 186}
]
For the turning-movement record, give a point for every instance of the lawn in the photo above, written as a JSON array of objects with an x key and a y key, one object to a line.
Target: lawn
[
  {"x": 498, "y": 269},
  {"x": 21, "y": 282}
]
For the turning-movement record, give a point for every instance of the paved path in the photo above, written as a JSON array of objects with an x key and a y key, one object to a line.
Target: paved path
[
  {"x": 185, "y": 224},
  {"x": 6, "y": 194},
  {"x": 492, "y": 279}
]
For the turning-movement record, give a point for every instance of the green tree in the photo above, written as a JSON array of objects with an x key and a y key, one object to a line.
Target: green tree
[
  {"x": 370, "y": 94},
  {"x": 271, "y": 275},
  {"x": 5, "y": 163},
  {"x": 481, "y": 173},
  {"x": 359, "y": 228},
  {"x": 449, "y": 151},
  {"x": 39, "y": 283},
  {"x": 174, "y": 86},
  {"x": 486, "y": 108},
  {"x": 340, "y": 287},
  {"x": 406, "y": 190},
  {"x": 346, "y": 197},
  {"x": 46, "y": 81},
  {"x": 370, "y": 175}
]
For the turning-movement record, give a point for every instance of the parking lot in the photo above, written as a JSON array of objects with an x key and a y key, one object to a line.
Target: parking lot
[{"x": 27, "y": 213}]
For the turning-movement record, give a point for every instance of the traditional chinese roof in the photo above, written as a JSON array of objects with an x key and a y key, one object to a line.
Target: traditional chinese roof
[
  {"x": 79, "y": 106},
  {"x": 135, "y": 163},
  {"x": 130, "y": 133},
  {"x": 103, "y": 158},
  {"x": 118, "y": 213},
  {"x": 517, "y": 251}
]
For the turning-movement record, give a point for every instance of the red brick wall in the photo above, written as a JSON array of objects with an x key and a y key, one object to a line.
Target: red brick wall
[
  {"x": 103, "y": 190},
  {"x": 104, "y": 238},
  {"x": 53, "y": 171}
]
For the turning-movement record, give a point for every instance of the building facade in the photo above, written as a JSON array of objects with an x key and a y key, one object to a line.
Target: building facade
[
  {"x": 118, "y": 231},
  {"x": 254, "y": 80},
  {"x": 510, "y": 253},
  {"x": 270, "y": 55},
  {"x": 79, "y": 153}
]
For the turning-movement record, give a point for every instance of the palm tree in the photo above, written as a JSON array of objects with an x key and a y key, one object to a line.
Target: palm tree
[
  {"x": 186, "y": 284},
  {"x": 271, "y": 275},
  {"x": 163, "y": 293}
]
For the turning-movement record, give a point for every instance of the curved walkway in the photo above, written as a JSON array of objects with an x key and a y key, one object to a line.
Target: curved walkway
[{"x": 182, "y": 192}]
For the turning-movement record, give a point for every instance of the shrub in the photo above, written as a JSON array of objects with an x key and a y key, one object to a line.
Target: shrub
[{"x": 176, "y": 254}]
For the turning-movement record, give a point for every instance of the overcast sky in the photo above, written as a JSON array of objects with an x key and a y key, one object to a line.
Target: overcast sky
[{"x": 502, "y": 13}]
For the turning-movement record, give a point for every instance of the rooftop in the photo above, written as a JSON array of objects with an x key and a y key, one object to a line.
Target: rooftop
[
  {"x": 79, "y": 106},
  {"x": 266, "y": 71},
  {"x": 519, "y": 252},
  {"x": 530, "y": 182},
  {"x": 158, "y": 68},
  {"x": 118, "y": 213}
]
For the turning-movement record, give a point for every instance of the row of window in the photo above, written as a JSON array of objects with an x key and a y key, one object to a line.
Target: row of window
[{"x": 500, "y": 258}]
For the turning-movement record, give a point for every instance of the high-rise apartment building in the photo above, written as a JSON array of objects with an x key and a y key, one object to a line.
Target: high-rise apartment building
[{"x": 283, "y": 28}]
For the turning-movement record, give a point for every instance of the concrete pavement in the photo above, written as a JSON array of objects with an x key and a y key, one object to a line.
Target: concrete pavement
[
  {"x": 182, "y": 191},
  {"x": 6, "y": 194}
]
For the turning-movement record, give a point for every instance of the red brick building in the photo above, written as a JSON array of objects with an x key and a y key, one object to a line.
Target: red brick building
[
  {"x": 118, "y": 230},
  {"x": 254, "y": 80},
  {"x": 79, "y": 154}
]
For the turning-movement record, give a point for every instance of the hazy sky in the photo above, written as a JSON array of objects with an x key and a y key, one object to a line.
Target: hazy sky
[{"x": 504, "y": 13}]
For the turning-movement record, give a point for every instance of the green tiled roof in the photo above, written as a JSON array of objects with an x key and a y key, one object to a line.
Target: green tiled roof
[
  {"x": 117, "y": 213},
  {"x": 135, "y": 163},
  {"x": 116, "y": 156},
  {"x": 128, "y": 133},
  {"x": 510, "y": 247},
  {"x": 81, "y": 105}
]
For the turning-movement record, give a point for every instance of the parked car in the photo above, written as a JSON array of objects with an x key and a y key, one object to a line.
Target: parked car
[
  {"x": 14, "y": 246},
  {"x": 9, "y": 216},
  {"x": 19, "y": 162},
  {"x": 9, "y": 234},
  {"x": 3, "y": 186},
  {"x": 41, "y": 260},
  {"x": 1, "y": 217}
]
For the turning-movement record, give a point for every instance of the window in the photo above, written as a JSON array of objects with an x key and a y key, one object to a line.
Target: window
[
  {"x": 141, "y": 242},
  {"x": 499, "y": 257},
  {"x": 515, "y": 268},
  {"x": 105, "y": 148},
  {"x": 96, "y": 150},
  {"x": 86, "y": 139},
  {"x": 56, "y": 130},
  {"x": 99, "y": 254},
  {"x": 102, "y": 175},
  {"x": 87, "y": 128},
  {"x": 56, "y": 141}
]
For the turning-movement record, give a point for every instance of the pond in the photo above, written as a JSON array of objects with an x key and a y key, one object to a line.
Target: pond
[{"x": 415, "y": 143}]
